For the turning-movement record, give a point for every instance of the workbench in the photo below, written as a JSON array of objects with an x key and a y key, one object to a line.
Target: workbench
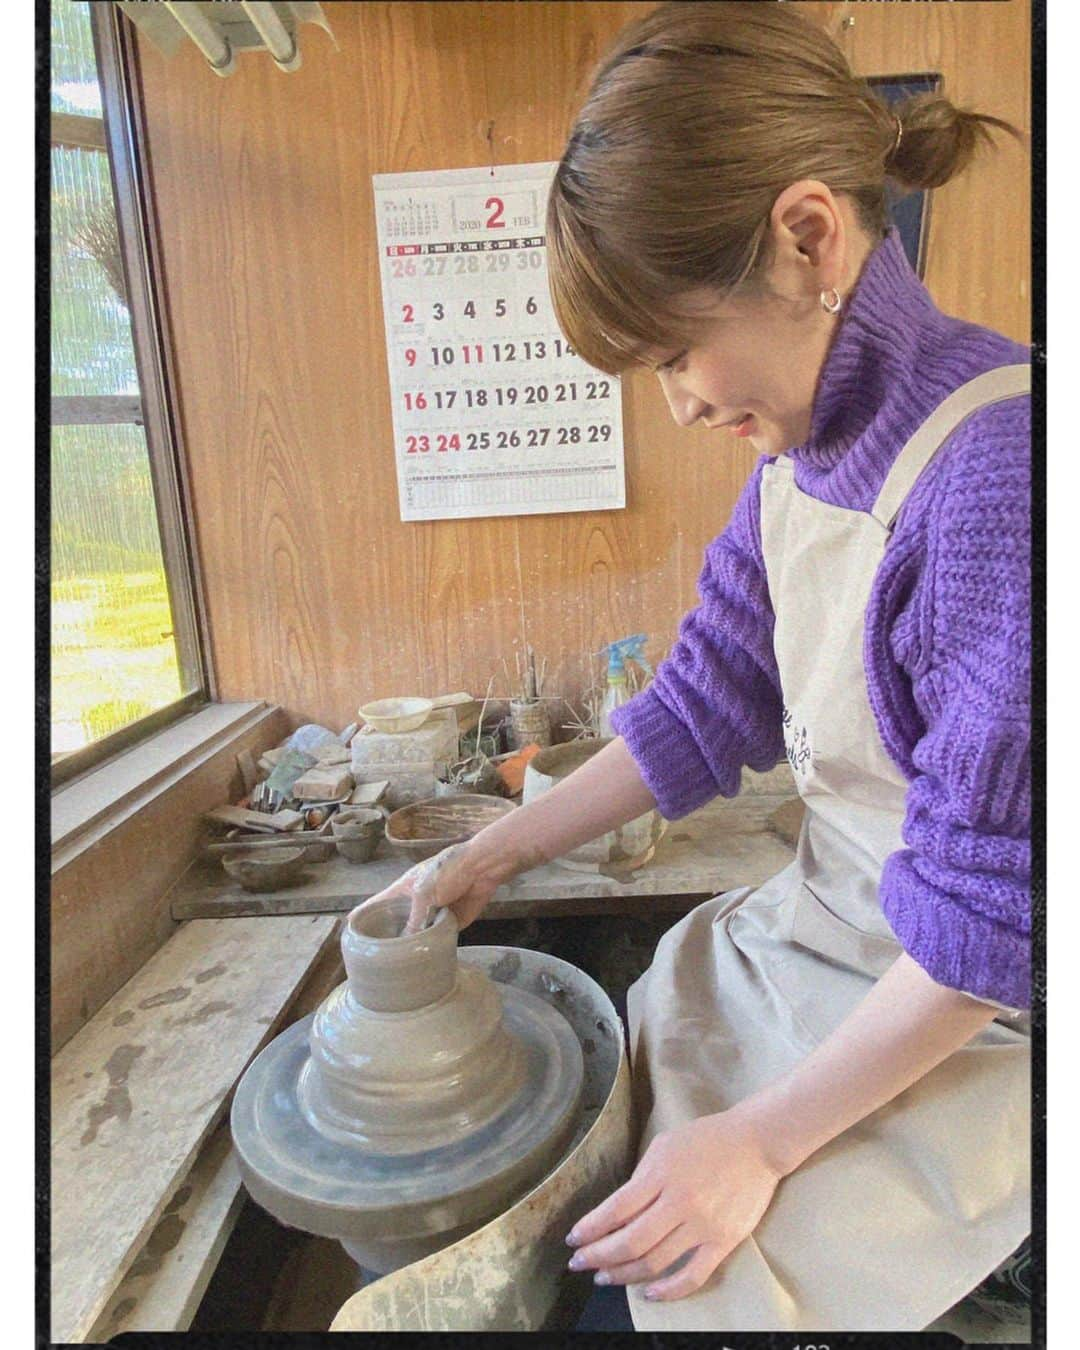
[{"x": 727, "y": 843}]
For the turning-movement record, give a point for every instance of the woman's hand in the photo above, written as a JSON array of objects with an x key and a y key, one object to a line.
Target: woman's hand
[
  {"x": 453, "y": 879},
  {"x": 699, "y": 1189}
]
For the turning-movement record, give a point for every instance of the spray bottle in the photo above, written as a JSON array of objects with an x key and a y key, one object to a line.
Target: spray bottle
[{"x": 618, "y": 689}]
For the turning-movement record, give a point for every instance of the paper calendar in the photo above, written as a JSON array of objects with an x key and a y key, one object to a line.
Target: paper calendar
[{"x": 494, "y": 414}]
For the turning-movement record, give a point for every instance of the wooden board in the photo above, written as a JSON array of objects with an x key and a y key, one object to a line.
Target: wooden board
[
  {"x": 724, "y": 845},
  {"x": 165, "y": 1283},
  {"x": 138, "y": 1090}
]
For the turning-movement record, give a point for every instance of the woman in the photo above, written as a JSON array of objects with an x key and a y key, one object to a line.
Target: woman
[{"x": 832, "y": 1069}]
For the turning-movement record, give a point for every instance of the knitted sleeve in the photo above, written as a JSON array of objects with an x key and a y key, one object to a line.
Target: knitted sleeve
[
  {"x": 715, "y": 702},
  {"x": 948, "y": 658}
]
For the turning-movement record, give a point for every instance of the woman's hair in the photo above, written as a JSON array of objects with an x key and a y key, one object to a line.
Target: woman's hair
[{"x": 698, "y": 117}]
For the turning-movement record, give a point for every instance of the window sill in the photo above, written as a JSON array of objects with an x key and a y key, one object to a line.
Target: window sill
[{"x": 85, "y": 811}]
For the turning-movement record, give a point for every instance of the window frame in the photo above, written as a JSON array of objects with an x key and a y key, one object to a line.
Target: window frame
[{"x": 155, "y": 410}]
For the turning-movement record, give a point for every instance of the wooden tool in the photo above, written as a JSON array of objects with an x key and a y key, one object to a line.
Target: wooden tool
[
  {"x": 237, "y": 815},
  {"x": 288, "y": 840}
]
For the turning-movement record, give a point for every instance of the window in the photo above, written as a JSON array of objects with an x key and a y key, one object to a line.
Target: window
[{"x": 125, "y": 614}]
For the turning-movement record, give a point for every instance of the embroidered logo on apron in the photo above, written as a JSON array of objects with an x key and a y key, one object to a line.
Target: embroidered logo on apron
[{"x": 796, "y": 743}]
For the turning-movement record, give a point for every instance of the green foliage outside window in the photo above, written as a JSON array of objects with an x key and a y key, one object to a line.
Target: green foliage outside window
[{"x": 114, "y": 658}]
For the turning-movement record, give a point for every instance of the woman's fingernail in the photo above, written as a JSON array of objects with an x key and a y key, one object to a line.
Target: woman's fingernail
[
  {"x": 572, "y": 1238},
  {"x": 576, "y": 1262},
  {"x": 601, "y": 1277},
  {"x": 650, "y": 1294}
]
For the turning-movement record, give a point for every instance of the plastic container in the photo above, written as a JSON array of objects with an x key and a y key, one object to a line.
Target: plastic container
[
  {"x": 618, "y": 687},
  {"x": 397, "y": 714}
]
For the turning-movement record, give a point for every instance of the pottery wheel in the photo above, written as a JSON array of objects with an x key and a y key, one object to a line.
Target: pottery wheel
[{"x": 346, "y": 1190}]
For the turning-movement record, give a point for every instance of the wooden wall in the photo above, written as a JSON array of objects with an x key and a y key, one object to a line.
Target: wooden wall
[{"x": 319, "y": 597}]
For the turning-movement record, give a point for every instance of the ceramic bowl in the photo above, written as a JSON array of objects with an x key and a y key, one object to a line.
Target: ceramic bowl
[
  {"x": 268, "y": 870},
  {"x": 357, "y": 832},
  {"x": 424, "y": 828},
  {"x": 397, "y": 714},
  {"x": 323, "y": 850}
]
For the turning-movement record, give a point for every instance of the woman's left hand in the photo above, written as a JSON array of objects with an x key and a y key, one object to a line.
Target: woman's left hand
[{"x": 699, "y": 1188}]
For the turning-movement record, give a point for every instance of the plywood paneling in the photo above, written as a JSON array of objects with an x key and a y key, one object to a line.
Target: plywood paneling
[{"x": 320, "y": 598}]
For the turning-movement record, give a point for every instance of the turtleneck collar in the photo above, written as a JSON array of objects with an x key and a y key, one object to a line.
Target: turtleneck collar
[{"x": 873, "y": 356}]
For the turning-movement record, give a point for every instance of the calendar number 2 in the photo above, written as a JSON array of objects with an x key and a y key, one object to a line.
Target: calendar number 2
[{"x": 495, "y": 220}]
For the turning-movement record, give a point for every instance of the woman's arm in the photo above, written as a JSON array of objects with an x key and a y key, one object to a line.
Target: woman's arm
[
  {"x": 605, "y": 792},
  {"x": 906, "y": 1025},
  {"x": 706, "y": 1184}
]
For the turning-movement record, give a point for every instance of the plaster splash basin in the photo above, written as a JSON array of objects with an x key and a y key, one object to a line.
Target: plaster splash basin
[{"x": 419, "y": 1100}]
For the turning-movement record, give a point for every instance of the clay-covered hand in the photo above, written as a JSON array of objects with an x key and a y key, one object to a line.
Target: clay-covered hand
[
  {"x": 453, "y": 879},
  {"x": 697, "y": 1192}
]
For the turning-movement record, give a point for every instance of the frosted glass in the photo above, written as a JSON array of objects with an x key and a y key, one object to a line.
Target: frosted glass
[
  {"x": 92, "y": 351},
  {"x": 75, "y": 86}
]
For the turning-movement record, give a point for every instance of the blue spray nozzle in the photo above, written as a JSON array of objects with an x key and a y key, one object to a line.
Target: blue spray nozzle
[{"x": 627, "y": 649}]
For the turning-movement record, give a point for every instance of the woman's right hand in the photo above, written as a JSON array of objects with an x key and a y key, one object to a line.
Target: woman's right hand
[{"x": 453, "y": 879}]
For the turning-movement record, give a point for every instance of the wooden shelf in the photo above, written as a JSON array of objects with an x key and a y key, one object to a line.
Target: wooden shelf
[{"x": 728, "y": 843}]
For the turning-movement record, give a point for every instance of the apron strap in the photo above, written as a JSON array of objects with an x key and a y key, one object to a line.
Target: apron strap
[{"x": 993, "y": 386}]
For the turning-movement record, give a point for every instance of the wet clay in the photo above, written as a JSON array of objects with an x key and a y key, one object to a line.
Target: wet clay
[
  {"x": 419, "y": 1099},
  {"x": 411, "y": 1051}
]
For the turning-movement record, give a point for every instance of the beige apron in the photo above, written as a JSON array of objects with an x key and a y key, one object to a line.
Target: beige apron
[{"x": 903, "y": 1214}]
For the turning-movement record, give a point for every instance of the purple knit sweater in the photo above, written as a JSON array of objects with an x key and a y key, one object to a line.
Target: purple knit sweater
[{"x": 947, "y": 651}]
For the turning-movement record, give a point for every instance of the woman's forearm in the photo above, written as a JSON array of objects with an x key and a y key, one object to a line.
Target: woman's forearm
[
  {"x": 605, "y": 792},
  {"x": 905, "y": 1026}
]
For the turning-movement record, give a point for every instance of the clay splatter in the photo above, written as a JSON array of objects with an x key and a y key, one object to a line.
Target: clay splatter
[
  {"x": 204, "y": 1014},
  {"x": 163, "y": 1239},
  {"x": 122, "y": 1309},
  {"x": 167, "y": 996},
  {"x": 681, "y": 838},
  {"x": 117, "y": 1101},
  {"x": 212, "y": 973},
  {"x": 506, "y": 967},
  {"x": 182, "y": 1196},
  {"x": 123, "y": 1019}
]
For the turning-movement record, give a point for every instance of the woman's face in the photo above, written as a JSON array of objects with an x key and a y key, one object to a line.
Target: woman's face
[
  {"x": 754, "y": 369},
  {"x": 756, "y": 364}
]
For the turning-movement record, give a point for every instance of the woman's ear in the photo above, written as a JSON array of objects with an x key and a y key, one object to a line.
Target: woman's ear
[{"x": 808, "y": 228}]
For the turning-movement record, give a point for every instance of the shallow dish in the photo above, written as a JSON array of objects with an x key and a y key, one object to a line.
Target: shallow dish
[
  {"x": 422, "y": 829},
  {"x": 269, "y": 871},
  {"x": 397, "y": 714}
]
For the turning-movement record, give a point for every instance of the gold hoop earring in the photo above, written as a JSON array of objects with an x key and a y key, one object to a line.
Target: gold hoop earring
[{"x": 830, "y": 300}]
